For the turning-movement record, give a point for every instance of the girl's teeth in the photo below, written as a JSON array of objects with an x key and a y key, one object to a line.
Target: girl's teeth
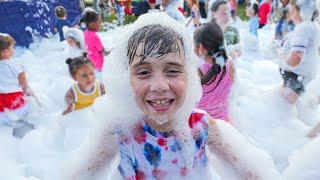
[{"x": 160, "y": 102}]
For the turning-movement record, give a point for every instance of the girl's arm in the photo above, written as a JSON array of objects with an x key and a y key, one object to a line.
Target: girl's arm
[
  {"x": 217, "y": 144},
  {"x": 69, "y": 99},
  {"x": 99, "y": 153},
  {"x": 102, "y": 89},
  {"x": 232, "y": 70},
  {"x": 24, "y": 84}
]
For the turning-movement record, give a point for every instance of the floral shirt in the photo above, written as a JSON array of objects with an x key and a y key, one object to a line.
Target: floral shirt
[{"x": 149, "y": 154}]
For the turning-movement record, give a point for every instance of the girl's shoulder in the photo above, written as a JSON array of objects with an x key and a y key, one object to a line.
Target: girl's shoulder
[{"x": 198, "y": 116}]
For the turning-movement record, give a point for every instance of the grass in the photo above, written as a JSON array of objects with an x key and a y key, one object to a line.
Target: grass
[{"x": 242, "y": 12}]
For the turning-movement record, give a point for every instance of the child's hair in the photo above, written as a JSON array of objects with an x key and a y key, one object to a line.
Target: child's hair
[
  {"x": 5, "y": 42},
  {"x": 193, "y": 2},
  {"x": 210, "y": 36},
  {"x": 77, "y": 62},
  {"x": 89, "y": 16},
  {"x": 60, "y": 11},
  {"x": 157, "y": 41},
  {"x": 254, "y": 7},
  {"x": 215, "y": 6}
]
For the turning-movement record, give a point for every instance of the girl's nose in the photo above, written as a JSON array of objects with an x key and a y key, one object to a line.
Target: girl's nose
[{"x": 159, "y": 84}]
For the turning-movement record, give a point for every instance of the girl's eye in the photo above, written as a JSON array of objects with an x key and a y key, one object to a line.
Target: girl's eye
[
  {"x": 83, "y": 75},
  {"x": 143, "y": 74},
  {"x": 173, "y": 72}
]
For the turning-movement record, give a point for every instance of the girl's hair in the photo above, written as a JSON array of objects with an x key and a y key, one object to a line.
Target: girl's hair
[
  {"x": 210, "y": 36},
  {"x": 60, "y": 11},
  {"x": 215, "y": 6},
  {"x": 77, "y": 62},
  {"x": 254, "y": 7},
  {"x": 156, "y": 41},
  {"x": 89, "y": 16},
  {"x": 193, "y": 2},
  {"x": 5, "y": 42}
]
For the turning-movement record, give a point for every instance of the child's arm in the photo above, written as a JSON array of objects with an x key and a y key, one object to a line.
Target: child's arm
[
  {"x": 69, "y": 99},
  {"x": 314, "y": 132},
  {"x": 102, "y": 89},
  {"x": 24, "y": 84},
  {"x": 246, "y": 159},
  {"x": 232, "y": 70},
  {"x": 97, "y": 154}
]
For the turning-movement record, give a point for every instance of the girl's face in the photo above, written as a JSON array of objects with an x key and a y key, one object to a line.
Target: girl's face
[
  {"x": 95, "y": 26},
  {"x": 159, "y": 85},
  {"x": 249, "y": 12},
  {"x": 71, "y": 42},
  {"x": 7, "y": 53},
  {"x": 85, "y": 76},
  {"x": 222, "y": 15}
]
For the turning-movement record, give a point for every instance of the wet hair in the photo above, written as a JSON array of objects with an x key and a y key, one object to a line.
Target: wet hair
[
  {"x": 78, "y": 62},
  {"x": 5, "y": 42},
  {"x": 60, "y": 11},
  {"x": 156, "y": 41},
  {"x": 210, "y": 36},
  {"x": 215, "y": 6},
  {"x": 89, "y": 16}
]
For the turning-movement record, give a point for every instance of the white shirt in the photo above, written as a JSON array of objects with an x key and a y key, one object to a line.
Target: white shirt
[
  {"x": 303, "y": 38},
  {"x": 9, "y": 73}
]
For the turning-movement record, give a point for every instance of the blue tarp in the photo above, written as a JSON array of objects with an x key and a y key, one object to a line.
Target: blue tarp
[{"x": 17, "y": 18}]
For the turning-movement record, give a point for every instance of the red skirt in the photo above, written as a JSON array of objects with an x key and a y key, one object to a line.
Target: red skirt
[{"x": 11, "y": 101}]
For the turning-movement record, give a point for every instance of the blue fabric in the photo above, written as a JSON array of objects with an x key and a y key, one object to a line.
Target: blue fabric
[
  {"x": 17, "y": 17},
  {"x": 254, "y": 25},
  {"x": 59, "y": 24}
]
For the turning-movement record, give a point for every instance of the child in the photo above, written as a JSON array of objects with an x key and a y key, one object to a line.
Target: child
[
  {"x": 195, "y": 14},
  {"x": 284, "y": 26},
  {"x": 75, "y": 40},
  {"x": 252, "y": 12},
  {"x": 220, "y": 12},
  {"x": 168, "y": 138},
  {"x": 61, "y": 14},
  {"x": 264, "y": 12},
  {"x": 94, "y": 45},
  {"x": 13, "y": 88},
  {"x": 216, "y": 73},
  {"x": 83, "y": 93}
]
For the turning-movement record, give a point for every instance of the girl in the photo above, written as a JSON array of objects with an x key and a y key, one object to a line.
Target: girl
[
  {"x": 298, "y": 52},
  {"x": 13, "y": 88},
  {"x": 220, "y": 11},
  {"x": 83, "y": 93},
  {"x": 216, "y": 73},
  {"x": 158, "y": 132},
  {"x": 195, "y": 14},
  {"x": 94, "y": 45},
  {"x": 284, "y": 26},
  {"x": 75, "y": 40},
  {"x": 252, "y": 13}
]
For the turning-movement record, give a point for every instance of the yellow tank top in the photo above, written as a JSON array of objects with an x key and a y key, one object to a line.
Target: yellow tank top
[{"x": 82, "y": 99}]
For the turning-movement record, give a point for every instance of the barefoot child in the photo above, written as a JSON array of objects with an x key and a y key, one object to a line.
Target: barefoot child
[
  {"x": 83, "y": 93},
  {"x": 13, "y": 88},
  {"x": 168, "y": 138}
]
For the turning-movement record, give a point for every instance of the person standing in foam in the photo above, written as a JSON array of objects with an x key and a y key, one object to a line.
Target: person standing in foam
[
  {"x": 94, "y": 45},
  {"x": 13, "y": 88},
  {"x": 83, "y": 93},
  {"x": 220, "y": 12},
  {"x": 299, "y": 50},
  {"x": 167, "y": 138},
  {"x": 75, "y": 40},
  {"x": 216, "y": 73}
]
